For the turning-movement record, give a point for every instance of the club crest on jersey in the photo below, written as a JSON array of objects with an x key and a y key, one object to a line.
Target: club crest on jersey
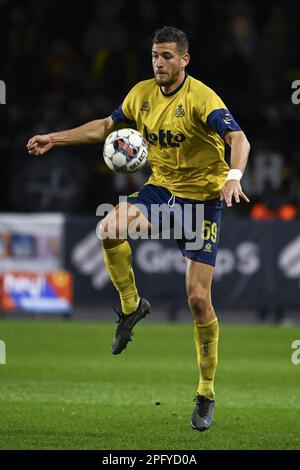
[
  {"x": 179, "y": 111},
  {"x": 164, "y": 138},
  {"x": 145, "y": 106}
]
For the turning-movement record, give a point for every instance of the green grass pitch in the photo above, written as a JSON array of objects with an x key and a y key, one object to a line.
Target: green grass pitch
[{"x": 62, "y": 389}]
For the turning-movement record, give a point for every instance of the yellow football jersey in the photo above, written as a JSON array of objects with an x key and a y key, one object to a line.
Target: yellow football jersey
[{"x": 184, "y": 131}]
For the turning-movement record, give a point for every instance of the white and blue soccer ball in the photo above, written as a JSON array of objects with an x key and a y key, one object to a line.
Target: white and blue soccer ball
[{"x": 125, "y": 151}]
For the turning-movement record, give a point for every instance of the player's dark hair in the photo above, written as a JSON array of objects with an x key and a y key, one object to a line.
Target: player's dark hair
[{"x": 172, "y": 34}]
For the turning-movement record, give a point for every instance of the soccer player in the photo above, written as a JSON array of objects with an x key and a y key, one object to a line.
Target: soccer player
[{"x": 186, "y": 125}]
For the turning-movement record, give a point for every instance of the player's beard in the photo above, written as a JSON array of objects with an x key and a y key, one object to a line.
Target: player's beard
[{"x": 165, "y": 80}]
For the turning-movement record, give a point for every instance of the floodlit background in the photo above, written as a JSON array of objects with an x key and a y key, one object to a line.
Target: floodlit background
[{"x": 65, "y": 63}]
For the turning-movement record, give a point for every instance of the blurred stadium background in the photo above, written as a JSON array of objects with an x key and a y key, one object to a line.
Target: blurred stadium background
[{"x": 65, "y": 63}]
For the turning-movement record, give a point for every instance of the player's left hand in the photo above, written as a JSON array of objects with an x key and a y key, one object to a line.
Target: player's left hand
[{"x": 232, "y": 188}]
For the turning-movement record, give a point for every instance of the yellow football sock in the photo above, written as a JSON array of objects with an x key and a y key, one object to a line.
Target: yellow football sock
[
  {"x": 119, "y": 267},
  {"x": 206, "y": 342}
]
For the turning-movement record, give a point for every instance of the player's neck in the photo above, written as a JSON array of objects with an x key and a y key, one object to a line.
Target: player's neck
[{"x": 167, "y": 90}]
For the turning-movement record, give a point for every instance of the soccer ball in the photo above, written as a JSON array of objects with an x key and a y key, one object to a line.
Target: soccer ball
[{"x": 125, "y": 151}]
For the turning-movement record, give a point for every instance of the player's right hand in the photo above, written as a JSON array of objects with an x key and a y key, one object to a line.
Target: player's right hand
[{"x": 39, "y": 144}]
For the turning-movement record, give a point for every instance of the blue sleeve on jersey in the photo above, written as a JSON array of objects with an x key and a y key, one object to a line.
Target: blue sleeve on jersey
[
  {"x": 221, "y": 121},
  {"x": 118, "y": 116}
]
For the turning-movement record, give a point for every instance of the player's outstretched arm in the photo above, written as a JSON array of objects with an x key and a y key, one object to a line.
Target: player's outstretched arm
[
  {"x": 240, "y": 149},
  {"x": 91, "y": 133}
]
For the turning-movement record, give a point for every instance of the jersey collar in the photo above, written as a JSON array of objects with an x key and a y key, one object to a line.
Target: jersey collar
[{"x": 176, "y": 89}]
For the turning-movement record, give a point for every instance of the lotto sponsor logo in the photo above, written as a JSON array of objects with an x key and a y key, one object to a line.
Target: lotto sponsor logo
[{"x": 164, "y": 138}]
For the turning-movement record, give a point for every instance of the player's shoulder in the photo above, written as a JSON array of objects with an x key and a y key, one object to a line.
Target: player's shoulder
[
  {"x": 143, "y": 86},
  {"x": 203, "y": 91}
]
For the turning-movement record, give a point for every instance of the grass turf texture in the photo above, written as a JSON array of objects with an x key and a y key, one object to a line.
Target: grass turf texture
[{"x": 62, "y": 389}]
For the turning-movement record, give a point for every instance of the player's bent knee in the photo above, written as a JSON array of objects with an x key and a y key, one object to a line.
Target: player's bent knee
[
  {"x": 108, "y": 239},
  {"x": 107, "y": 230},
  {"x": 124, "y": 220},
  {"x": 199, "y": 303},
  {"x": 111, "y": 227}
]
